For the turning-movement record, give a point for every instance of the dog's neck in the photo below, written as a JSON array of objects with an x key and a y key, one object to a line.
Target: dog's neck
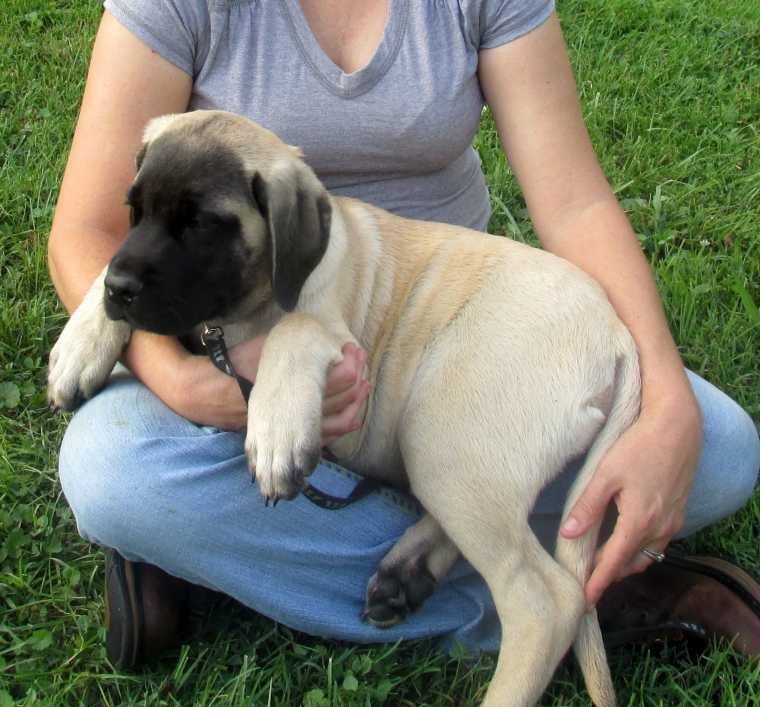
[
  {"x": 346, "y": 290},
  {"x": 322, "y": 278},
  {"x": 348, "y": 285}
]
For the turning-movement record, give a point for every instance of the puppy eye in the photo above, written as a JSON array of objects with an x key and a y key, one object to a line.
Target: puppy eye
[
  {"x": 187, "y": 216},
  {"x": 183, "y": 220},
  {"x": 219, "y": 220}
]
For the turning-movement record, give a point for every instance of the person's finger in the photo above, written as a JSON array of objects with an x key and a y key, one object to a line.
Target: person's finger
[
  {"x": 348, "y": 420},
  {"x": 614, "y": 555},
  {"x": 657, "y": 537},
  {"x": 335, "y": 404},
  {"x": 343, "y": 419},
  {"x": 344, "y": 374},
  {"x": 589, "y": 508},
  {"x": 639, "y": 562}
]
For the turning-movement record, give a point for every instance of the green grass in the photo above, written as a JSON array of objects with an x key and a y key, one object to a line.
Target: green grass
[{"x": 671, "y": 93}]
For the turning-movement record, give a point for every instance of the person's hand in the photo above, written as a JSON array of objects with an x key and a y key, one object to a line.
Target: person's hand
[
  {"x": 648, "y": 473},
  {"x": 207, "y": 396},
  {"x": 345, "y": 394}
]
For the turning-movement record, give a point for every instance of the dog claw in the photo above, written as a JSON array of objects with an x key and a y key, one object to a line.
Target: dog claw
[
  {"x": 266, "y": 502},
  {"x": 275, "y": 502}
]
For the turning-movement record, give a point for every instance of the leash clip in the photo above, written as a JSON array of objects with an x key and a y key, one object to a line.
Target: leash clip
[
  {"x": 212, "y": 339},
  {"x": 211, "y": 334}
]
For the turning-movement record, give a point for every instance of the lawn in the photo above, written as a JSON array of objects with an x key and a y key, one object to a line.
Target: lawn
[{"x": 671, "y": 93}]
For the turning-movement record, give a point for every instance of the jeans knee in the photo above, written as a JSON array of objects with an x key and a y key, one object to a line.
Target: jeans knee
[
  {"x": 104, "y": 460},
  {"x": 742, "y": 436},
  {"x": 728, "y": 467},
  {"x": 86, "y": 468}
]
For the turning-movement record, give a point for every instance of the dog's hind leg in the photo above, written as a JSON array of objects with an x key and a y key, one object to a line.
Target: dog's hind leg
[
  {"x": 539, "y": 606},
  {"x": 539, "y": 603},
  {"x": 409, "y": 573},
  {"x": 481, "y": 491}
]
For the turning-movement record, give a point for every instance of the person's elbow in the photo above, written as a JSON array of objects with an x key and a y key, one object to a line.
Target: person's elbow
[{"x": 54, "y": 259}]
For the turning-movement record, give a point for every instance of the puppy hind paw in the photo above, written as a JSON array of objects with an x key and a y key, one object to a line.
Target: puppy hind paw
[{"x": 395, "y": 592}]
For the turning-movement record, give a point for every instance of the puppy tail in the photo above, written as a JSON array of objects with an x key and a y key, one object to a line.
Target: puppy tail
[{"x": 577, "y": 555}]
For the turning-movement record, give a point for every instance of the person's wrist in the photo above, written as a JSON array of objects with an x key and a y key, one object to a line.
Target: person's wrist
[
  {"x": 669, "y": 394},
  {"x": 181, "y": 382},
  {"x": 163, "y": 365},
  {"x": 673, "y": 405}
]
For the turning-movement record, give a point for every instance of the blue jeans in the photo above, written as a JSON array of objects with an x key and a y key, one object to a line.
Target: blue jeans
[{"x": 162, "y": 490}]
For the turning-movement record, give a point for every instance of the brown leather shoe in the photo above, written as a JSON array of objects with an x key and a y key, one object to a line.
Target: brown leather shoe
[
  {"x": 684, "y": 597},
  {"x": 144, "y": 610}
]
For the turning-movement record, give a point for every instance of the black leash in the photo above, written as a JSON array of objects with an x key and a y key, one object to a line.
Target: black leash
[{"x": 212, "y": 339}]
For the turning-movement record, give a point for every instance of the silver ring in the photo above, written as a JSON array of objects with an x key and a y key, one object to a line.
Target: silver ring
[{"x": 653, "y": 554}]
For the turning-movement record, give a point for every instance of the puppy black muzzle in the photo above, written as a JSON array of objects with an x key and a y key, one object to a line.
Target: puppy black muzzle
[
  {"x": 122, "y": 288},
  {"x": 166, "y": 284}
]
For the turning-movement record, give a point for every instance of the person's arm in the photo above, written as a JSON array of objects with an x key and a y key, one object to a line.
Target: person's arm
[
  {"x": 127, "y": 85},
  {"x": 529, "y": 86}
]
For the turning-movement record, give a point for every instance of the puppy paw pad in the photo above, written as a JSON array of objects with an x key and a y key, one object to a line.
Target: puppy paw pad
[{"x": 395, "y": 592}]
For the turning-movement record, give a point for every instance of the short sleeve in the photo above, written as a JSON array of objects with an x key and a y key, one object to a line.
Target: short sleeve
[
  {"x": 492, "y": 23},
  {"x": 176, "y": 29}
]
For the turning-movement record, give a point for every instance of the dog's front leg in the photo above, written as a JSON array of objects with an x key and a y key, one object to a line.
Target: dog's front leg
[
  {"x": 86, "y": 351},
  {"x": 283, "y": 438}
]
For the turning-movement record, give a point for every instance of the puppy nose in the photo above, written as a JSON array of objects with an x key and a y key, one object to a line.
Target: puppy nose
[{"x": 122, "y": 288}]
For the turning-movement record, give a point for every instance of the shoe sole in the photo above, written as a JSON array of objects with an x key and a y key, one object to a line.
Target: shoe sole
[
  {"x": 123, "y": 611},
  {"x": 730, "y": 576}
]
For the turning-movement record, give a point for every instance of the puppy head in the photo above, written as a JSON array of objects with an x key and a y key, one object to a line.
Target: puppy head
[{"x": 225, "y": 218}]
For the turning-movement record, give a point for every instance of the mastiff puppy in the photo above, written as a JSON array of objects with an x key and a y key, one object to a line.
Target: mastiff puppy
[{"x": 493, "y": 364}]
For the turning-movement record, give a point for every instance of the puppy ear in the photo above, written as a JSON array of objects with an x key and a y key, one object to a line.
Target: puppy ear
[
  {"x": 298, "y": 213},
  {"x": 140, "y": 156},
  {"x": 156, "y": 126},
  {"x": 152, "y": 130}
]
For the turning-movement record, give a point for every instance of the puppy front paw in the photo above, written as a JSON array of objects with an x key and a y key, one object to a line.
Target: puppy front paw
[
  {"x": 283, "y": 441},
  {"x": 84, "y": 356}
]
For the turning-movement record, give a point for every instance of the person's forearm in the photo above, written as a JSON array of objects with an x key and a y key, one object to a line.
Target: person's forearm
[
  {"x": 76, "y": 256},
  {"x": 600, "y": 240},
  {"x": 155, "y": 361}
]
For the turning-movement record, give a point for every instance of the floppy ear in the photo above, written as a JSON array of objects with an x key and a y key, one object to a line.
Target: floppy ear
[
  {"x": 298, "y": 213},
  {"x": 156, "y": 126},
  {"x": 152, "y": 130},
  {"x": 140, "y": 156}
]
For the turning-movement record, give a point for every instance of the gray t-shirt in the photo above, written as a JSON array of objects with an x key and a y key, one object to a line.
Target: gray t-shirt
[{"x": 397, "y": 133}]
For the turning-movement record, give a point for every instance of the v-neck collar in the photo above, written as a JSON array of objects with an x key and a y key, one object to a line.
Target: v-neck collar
[{"x": 328, "y": 72}]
